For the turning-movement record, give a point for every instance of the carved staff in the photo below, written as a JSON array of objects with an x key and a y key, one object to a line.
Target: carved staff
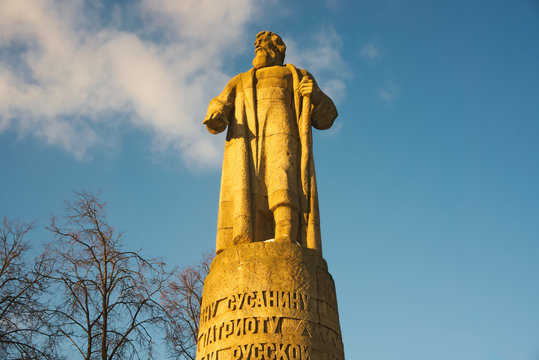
[{"x": 306, "y": 148}]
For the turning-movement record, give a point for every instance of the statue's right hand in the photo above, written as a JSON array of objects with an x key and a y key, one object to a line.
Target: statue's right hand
[{"x": 215, "y": 122}]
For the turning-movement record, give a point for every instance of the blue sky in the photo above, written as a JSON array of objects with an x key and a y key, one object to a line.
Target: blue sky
[{"x": 428, "y": 180}]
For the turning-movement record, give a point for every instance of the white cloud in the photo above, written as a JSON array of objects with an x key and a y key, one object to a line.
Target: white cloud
[
  {"x": 386, "y": 95},
  {"x": 370, "y": 51},
  {"x": 74, "y": 79},
  {"x": 65, "y": 80},
  {"x": 322, "y": 57},
  {"x": 389, "y": 92}
]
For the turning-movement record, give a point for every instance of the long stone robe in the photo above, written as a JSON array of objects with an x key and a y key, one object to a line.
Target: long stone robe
[{"x": 261, "y": 165}]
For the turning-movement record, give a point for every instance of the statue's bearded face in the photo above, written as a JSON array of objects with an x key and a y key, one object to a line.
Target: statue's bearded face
[{"x": 266, "y": 53}]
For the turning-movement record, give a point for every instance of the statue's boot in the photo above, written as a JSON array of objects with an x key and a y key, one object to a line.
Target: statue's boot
[{"x": 286, "y": 224}]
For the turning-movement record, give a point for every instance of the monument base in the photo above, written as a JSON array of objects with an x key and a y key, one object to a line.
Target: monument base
[{"x": 269, "y": 301}]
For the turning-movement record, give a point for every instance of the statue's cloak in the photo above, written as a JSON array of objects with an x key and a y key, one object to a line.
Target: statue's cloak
[{"x": 239, "y": 198}]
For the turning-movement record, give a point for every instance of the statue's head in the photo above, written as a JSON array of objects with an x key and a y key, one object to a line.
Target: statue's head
[{"x": 269, "y": 50}]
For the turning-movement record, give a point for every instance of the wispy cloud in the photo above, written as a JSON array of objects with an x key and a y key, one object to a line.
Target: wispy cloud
[
  {"x": 74, "y": 78},
  {"x": 369, "y": 51},
  {"x": 322, "y": 57},
  {"x": 69, "y": 81},
  {"x": 389, "y": 92}
]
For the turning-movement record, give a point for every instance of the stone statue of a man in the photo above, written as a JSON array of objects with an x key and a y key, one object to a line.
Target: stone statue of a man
[{"x": 268, "y": 185}]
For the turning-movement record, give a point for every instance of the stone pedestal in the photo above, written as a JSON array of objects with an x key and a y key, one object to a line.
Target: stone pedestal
[{"x": 269, "y": 301}]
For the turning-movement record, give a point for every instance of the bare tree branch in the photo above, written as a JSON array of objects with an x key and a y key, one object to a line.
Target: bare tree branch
[
  {"x": 109, "y": 296},
  {"x": 24, "y": 332},
  {"x": 181, "y": 299}
]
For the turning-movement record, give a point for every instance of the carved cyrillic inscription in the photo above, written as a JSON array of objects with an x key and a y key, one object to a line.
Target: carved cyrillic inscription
[
  {"x": 239, "y": 327},
  {"x": 269, "y": 301},
  {"x": 210, "y": 356},
  {"x": 269, "y": 298},
  {"x": 269, "y": 351},
  {"x": 254, "y": 299},
  {"x": 210, "y": 311},
  {"x": 235, "y": 329}
]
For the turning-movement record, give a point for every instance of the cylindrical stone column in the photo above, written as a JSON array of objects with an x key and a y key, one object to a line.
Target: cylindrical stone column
[{"x": 269, "y": 301}]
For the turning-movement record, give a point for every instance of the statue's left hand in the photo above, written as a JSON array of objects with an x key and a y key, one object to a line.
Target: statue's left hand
[{"x": 307, "y": 87}]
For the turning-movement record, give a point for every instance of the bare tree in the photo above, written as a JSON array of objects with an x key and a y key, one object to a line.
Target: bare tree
[
  {"x": 108, "y": 298},
  {"x": 24, "y": 332},
  {"x": 182, "y": 298}
]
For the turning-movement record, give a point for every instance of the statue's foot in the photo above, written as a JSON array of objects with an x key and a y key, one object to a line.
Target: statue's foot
[
  {"x": 286, "y": 224},
  {"x": 283, "y": 231}
]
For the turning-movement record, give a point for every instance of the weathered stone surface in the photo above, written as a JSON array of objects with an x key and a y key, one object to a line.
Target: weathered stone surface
[
  {"x": 270, "y": 301},
  {"x": 268, "y": 185}
]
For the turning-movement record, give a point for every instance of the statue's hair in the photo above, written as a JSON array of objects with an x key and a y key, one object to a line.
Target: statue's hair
[{"x": 277, "y": 42}]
